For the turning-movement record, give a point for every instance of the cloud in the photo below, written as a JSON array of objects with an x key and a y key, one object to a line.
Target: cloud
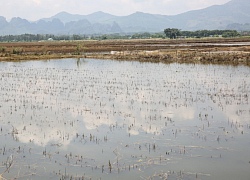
[{"x": 36, "y": 9}]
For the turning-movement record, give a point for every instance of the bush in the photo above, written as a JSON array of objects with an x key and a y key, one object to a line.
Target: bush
[
  {"x": 17, "y": 51},
  {"x": 2, "y": 49}
]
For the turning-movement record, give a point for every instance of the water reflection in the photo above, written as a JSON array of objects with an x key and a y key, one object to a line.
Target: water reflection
[{"x": 126, "y": 110}]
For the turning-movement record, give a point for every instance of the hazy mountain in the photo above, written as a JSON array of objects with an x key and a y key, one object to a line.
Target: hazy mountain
[
  {"x": 214, "y": 17},
  {"x": 97, "y": 17},
  {"x": 79, "y": 27},
  {"x": 3, "y": 22},
  {"x": 18, "y": 26},
  {"x": 232, "y": 15},
  {"x": 239, "y": 27},
  {"x": 143, "y": 22},
  {"x": 65, "y": 17},
  {"x": 115, "y": 28},
  {"x": 101, "y": 17}
]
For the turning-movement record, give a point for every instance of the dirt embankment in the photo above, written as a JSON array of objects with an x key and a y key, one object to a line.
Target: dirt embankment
[{"x": 218, "y": 50}]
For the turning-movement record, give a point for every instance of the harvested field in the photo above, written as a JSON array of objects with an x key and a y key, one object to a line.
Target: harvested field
[{"x": 219, "y": 50}]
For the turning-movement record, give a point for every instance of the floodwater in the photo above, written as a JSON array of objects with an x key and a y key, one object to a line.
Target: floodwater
[{"x": 104, "y": 119}]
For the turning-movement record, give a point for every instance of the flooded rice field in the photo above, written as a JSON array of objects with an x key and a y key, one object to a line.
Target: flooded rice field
[{"x": 104, "y": 119}]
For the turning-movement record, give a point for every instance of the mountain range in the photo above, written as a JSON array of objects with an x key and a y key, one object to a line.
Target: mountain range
[{"x": 232, "y": 15}]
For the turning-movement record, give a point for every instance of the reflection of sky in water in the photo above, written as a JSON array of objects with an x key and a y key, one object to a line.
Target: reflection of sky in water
[{"x": 61, "y": 101}]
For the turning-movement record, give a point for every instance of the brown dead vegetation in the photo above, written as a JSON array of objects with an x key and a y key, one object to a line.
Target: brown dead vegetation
[{"x": 218, "y": 50}]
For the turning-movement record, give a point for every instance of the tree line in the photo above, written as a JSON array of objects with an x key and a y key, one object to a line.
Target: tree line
[
  {"x": 47, "y": 37},
  {"x": 171, "y": 33},
  {"x": 39, "y": 37},
  {"x": 174, "y": 33}
]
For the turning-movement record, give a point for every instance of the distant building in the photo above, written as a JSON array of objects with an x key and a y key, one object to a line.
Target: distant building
[{"x": 50, "y": 39}]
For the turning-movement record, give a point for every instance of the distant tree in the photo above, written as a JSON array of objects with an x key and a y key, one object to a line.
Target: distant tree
[
  {"x": 158, "y": 35},
  {"x": 230, "y": 33},
  {"x": 104, "y": 37},
  {"x": 172, "y": 33},
  {"x": 76, "y": 37}
]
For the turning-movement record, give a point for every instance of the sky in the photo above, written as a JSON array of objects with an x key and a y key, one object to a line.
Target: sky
[{"x": 36, "y": 9}]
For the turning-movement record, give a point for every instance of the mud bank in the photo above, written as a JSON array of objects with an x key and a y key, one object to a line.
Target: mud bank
[{"x": 220, "y": 50}]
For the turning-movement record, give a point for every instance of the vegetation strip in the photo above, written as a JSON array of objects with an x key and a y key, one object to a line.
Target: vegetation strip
[{"x": 211, "y": 50}]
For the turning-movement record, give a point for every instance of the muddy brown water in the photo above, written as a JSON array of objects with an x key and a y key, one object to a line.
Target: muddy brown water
[{"x": 105, "y": 119}]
